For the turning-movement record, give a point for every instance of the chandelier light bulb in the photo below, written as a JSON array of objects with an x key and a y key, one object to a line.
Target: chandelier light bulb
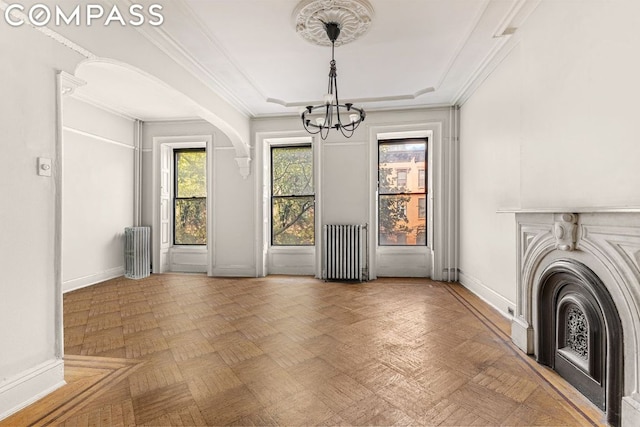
[
  {"x": 320, "y": 121},
  {"x": 353, "y": 118}
]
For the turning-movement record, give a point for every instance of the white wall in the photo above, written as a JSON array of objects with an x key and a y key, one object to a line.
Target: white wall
[
  {"x": 98, "y": 183},
  {"x": 554, "y": 126},
  {"x": 30, "y": 316},
  {"x": 232, "y": 245}
]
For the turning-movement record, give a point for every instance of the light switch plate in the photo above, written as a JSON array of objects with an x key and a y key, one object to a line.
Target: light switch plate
[{"x": 44, "y": 166}]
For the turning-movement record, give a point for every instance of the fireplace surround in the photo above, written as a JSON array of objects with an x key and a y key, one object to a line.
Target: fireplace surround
[{"x": 578, "y": 301}]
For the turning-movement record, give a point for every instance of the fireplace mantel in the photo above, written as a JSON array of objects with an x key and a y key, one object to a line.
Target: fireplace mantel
[
  {"x": 624, "y": 209},
  {"x": 607, "y": 241}
]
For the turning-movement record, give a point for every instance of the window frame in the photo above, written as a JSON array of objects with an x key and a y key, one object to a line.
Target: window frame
[
  {"x": 175, "y": 198},
  {"x": 423, "y": 193},
  {"x": 273, "y": 197}
]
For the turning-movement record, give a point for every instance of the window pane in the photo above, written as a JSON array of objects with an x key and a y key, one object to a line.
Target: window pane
[
  {"x": 191, "y": 172},
  {"x": 292, "y": 171},
  {"x": 399, "y": 165},
  {"x": 401, "y": 180},
  {"x": 191, "y": 222},
  {"x": 399, "y": 220},
  {"x": 422, "y": 207},
  {"x": 293, "y": 221}
]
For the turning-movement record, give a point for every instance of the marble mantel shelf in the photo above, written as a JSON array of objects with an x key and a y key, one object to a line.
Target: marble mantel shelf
[{"x": 626, "y": 209}]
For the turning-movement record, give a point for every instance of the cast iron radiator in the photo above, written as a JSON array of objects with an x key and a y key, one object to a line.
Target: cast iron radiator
[
  {"x": 137, "y": 254},
  {"x": 345, "y": 252}
]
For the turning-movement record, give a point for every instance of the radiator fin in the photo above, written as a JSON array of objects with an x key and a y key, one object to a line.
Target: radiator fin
[
  {"x": 345, "y": 252},
  {"x": 137, "y": 256}
]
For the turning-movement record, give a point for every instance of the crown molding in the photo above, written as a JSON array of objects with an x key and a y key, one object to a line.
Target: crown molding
[
  {"x": 422, "y": 107},
  {"x": 355, "y": 100},
  {"x": 50, "y": 33},
  {"x": 465, "y": 40},
  {"x": 505, "y": 42},
  {"x": 176, "y": 51}
]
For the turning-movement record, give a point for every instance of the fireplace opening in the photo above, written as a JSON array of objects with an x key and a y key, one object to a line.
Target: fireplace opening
[{"x": 579, "y": 334}]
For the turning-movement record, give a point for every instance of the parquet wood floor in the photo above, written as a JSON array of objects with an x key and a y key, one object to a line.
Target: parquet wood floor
[{"x": 298, "y": 351}]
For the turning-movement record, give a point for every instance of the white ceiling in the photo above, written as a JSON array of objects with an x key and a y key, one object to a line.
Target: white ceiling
[
  {"x": 417, "y": 53},
  {"x": 251, "y": 49}
]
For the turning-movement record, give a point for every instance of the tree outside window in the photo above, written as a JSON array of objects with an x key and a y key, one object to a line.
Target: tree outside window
[
  {"x": 190, "y": 197},
  {"x": 401, "y": 221},
  {"x": 292, "y": 196}
]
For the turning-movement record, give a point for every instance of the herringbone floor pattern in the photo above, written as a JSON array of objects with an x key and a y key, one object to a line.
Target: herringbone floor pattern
[{"x": 298, "y": 351}]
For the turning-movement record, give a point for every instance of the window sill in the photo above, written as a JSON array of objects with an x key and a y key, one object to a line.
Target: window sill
[{"x": 292, "y": 249}]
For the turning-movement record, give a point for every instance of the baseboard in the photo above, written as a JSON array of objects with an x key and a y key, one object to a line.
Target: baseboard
[
  {"x": 234, "y": 271},
  {"x": 187, "y": 268},
  {"x": 401, "y": 271},
  {"x": 30, "y": 386},
  {"x": 488, "y": 295},
  {"x": 92, "y": 279}
]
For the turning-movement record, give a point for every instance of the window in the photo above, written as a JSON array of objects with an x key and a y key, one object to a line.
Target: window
[
  {"x": 292, "y": 196},
  {"x": 421, "y": 180},
  {"x": 190, "y": 197},
  {"x": 402, "y": 177},
  {"x": 402, "y": 202}
]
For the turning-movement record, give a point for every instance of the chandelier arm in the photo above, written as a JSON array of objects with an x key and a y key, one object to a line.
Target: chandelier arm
[
  {"x": 332, "y": 100},
  {"x": 324, "y": 132}
]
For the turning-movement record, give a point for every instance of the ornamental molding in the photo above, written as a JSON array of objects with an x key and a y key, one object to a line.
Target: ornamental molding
[
  {"x": 565, "y": 231},
  {"x": 244, "y": 166},
  {"x": 69, "y": 83},
  {"x": 353, "y": 16}
]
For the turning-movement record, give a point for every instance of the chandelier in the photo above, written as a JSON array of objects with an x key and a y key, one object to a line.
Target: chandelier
[{"x": 320, "y": 119}]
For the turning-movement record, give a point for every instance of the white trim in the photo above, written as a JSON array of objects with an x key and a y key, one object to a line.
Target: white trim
[
  {"x": 182, "y": 141},
  {"x": 604, "y": 209},
  {"x": 63, "y": 82},
  {"x": 23, "y": 390},
  {"x": 92, "y": 279},
  {"x": 455, "y": 53},
  {"x": 265, "y": 140},
  {"x": 631, "y": 410},
  {"x": 101, "y": 106},
  {"x": 504, "y": 34},
  {"x": 488, "y": 295},
  {"x": 137, "y": 173},
  {"x": 176, "y": 51},
  {"x": 348, "y": 143},
  {"x": 234, "y": 271},
  {"x": 97, "y": 137},
  {"x": 50, "y": 33},
  {"x": 433, "y": 131},
  {"x": 211, "y": 207},
  {"x": 190, "y": 255}
]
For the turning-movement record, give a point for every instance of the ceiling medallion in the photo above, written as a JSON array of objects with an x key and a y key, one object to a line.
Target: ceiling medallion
[{"x": 352, "y": 16}]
